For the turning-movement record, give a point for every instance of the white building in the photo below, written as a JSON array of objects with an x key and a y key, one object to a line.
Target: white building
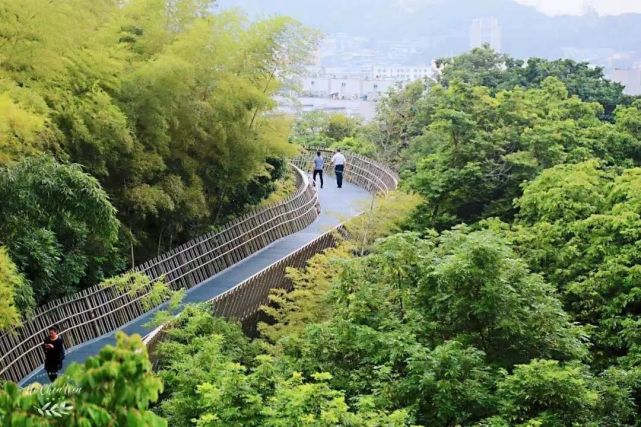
[
  {"x": 347, "y": 87},
  {"x": 401, "y": 73},
  {"x": 485, "y": 31},
  {"x": 630, "y": 78},
  {"x": 366, "y": 110},
  {"x": 351, "y": 91}
]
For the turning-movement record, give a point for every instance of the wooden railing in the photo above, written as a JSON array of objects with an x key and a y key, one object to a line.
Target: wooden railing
[
  {"x": 361, "y": 171},
  {"x": 99, "y": 310},
  {"x": 246, "y": 298}
]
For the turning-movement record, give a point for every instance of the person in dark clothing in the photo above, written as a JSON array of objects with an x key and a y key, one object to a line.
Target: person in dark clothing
[
  {"x": 319, "y": 163},
  {"x": 54, "y": 350}
]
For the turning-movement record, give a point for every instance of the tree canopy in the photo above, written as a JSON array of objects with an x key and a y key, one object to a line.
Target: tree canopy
[
  {"x": 529, "y": 171},
  {"x": 485, "y": 67},
  {"x": 503, "y": 291},
  {"x": 114, "y": 388},
  {"x": 167, "y": 105},
  {"x": 58, "y": 224},
  {"x": 477, "y": 148}
]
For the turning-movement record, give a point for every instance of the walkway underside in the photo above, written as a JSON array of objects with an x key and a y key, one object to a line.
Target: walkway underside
[{"x": 337, "y": 205}]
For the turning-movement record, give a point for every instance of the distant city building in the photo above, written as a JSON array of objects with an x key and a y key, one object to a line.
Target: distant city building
[
  {"x": 485, "y": 31},
  {"x": 345, "y": 87},
  {"x": 401, "y": 73},
  {"x": 353, "y": 91},
  {"x": 630, "y": 78},
  {"x": 367, "y": 84},
  {"x": 365, "y": 110}
]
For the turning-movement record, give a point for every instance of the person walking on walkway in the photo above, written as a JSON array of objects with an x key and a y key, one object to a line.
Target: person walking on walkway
[
  {"x": 54, "y": 350},
  {"x": 319, "y": 162},
  {"x": 338, "y": 160}
]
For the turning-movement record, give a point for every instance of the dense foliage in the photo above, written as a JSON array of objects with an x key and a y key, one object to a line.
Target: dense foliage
[
  {"x": 215, "y": 376},
  {"x": 477, "y": 148},
  {"x": 58, "y": 224},
  {"x": 529, "y": 314},
  {"x": 496, "y": 71},
  {"x": 165, "y": 103},
  {"x": 467, "y": 143},
  {"x": 114, "y": 388},
  {"x": 447, "y": 330},
  {"x": 510, "y": 298},
  {"x": 332, "y": 131},
  {"x": 541, "y": 159},
  {"x": 580, "y": 226}
]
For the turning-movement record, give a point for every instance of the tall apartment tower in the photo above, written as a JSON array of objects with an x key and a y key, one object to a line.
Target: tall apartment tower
[{"x": 485, "y": 31}]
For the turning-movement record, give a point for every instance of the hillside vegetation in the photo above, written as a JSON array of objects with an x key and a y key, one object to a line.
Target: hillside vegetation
[
  {"x": 510, "y": 296},
  {"x": 500, "y": 287},
  {"x": 128, "y": 127}
]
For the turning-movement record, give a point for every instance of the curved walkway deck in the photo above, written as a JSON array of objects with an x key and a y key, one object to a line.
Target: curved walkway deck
[{"x": 337, "y": 205}]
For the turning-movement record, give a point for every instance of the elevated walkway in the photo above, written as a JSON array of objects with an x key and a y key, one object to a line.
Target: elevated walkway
[{"x": 337, "y": 205}]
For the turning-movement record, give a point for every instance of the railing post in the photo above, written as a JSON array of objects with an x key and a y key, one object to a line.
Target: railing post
[{"x": 92, "y": 317}]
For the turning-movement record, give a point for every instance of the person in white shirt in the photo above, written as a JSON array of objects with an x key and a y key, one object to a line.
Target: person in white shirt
[{"x": 338, "y": 160}]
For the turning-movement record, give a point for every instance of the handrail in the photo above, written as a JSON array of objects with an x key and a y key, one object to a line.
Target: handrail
[
  {"x": 385, "y": 178},
  {"x": 244, "y": 300},
  {"x": 91, "y": 313},
  {"x": 55, "y": 305},
  {"x": 322, "y": 242},
  {"x": 138, "y": 298},
  {"x": 98, "y": 310}
]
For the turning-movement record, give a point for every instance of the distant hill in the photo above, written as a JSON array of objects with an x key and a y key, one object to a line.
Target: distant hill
[{"x": 445, "y": 23}]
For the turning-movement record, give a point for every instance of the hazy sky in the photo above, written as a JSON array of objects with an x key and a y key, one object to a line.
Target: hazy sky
[{"x": 577, "y": 7}]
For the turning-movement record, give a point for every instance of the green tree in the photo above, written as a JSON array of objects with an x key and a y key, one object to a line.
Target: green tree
[
  {"x": 14, "y": 292},
  {"x": 485, "y": 67},
  {"x": 398, "y": 120},
  {"x": 114, "y": 388},
  {"x": 482, "y": 66},
  {"x": 340, "y": 126},
  {"x": 58, "y": 226},
  {"x": 566, "y": 192},
  {"x": 356, "y": 144},
  {"x": 547, "y": 393},
  {"x": 578, "y": 225},
  {"x": 452, "y": 384},
  {"x": 470, "y": 161},
  {"x": 470, "y": 286},
  {"x": 309, "y": 128}
]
